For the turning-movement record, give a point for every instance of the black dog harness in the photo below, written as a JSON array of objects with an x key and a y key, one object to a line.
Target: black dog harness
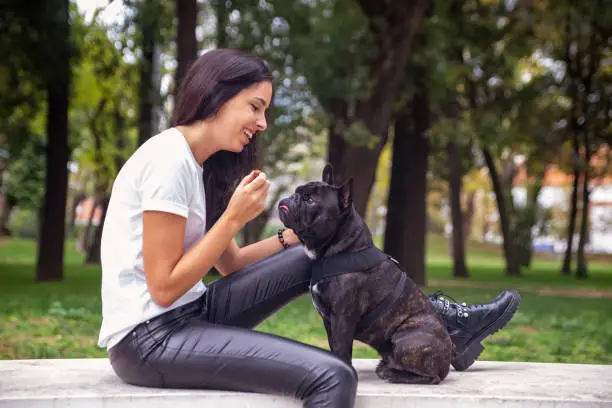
[{"x": 358, "y": 262}]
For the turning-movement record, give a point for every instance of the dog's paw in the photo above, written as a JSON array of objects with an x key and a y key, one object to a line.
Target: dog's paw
[{"x": 383, "y": 371}]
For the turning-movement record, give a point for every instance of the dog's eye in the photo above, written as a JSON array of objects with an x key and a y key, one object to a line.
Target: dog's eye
[{"x": 307, "y": 198}]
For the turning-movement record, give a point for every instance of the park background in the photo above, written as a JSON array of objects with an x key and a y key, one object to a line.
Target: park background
[{"x": 478, "y": 133}]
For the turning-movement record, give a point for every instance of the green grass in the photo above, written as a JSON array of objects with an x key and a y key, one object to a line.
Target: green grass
[{"x": 567, "y": 324}]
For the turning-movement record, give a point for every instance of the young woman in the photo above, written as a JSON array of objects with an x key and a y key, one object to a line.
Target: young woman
[{"x": 175, "y": 207}]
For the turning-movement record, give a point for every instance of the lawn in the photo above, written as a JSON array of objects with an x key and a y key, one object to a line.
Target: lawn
[{"x": 561, "y": 319}]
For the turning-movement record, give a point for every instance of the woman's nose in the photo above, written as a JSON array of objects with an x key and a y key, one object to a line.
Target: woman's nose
[{"x": 261, "y": 124}]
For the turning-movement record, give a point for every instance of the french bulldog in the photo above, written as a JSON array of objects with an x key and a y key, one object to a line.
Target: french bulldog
[{"x": 412, "y": 340}]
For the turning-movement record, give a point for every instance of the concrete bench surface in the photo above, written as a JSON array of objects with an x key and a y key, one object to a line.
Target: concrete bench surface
[{"x": 91, "y": 383}]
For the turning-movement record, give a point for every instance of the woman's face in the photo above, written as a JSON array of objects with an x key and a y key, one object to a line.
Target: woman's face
[{"x": 242, "y": 116}]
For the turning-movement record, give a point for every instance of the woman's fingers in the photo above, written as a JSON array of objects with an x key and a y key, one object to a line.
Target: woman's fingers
[
  {"x": 262, "y": 192},
  {"x": 249, "y": 199},
  {"x": 246, "y": 180},
  {"x": 257, "y": 183}
]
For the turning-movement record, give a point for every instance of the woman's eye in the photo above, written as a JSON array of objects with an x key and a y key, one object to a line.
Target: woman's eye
[{"x": 255, "y": 107}]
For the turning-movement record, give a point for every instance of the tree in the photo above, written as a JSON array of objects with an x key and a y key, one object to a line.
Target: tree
[
  {"x": 186, "y": 42},
  {"x": 585, "y": 40},
  {"x": 58, "y": 53},
  {"x": 355, "y": 74},
  {"x": 21, "y": 96},
  {"x": 149, "y": 24},
  {"x": 406, "y": 208},
  {"x": 417, "y": 111},
  {"x": 499, "y": 97},
  {"x": 102, "y": 103}
]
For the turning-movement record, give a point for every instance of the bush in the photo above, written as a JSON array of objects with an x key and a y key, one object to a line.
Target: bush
[{"x": 24, "y": 223}]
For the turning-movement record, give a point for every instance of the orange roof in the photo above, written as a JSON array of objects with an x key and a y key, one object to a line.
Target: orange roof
[{"x": 556, "y": 178}]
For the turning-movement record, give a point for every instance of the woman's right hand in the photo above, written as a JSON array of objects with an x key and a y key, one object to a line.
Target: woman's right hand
[{"x": 249, "y": 198}]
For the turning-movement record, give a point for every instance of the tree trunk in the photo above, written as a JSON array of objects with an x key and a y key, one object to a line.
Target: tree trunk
[
  {"x": 99, "y": 180},
  {"x": 571, "y": 226},
  {"x": 222, "y": 17},
  {"x": 485, "y": 218},
  {"x": 581, "y": 270},
  {"x": 83, "y": 243},
  {"x": 405, "y": 231},
  {"x": 468, "y": 217},
  {"x": 525, "y": 243},
  {"x": 148, "y": 94},
  {"x": 512, "y": 266},
  {"x": 359, "y": 163},
  {"x": 587, "y": 81},
  {"x": 394, "y": 26},
  {"x": 186, "y": 42},
  {"x": 145, "y": 111},
  {"x": 121, "y": 139},
  {"x": 455, "y": 178},
  {"x": 93, "y": 251},
  {"x": 50, "y": 262},
  {"x": 79, "y": 196}
]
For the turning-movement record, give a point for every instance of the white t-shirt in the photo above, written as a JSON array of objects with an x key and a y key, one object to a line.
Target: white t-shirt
[{"x": 161, "y": 175}]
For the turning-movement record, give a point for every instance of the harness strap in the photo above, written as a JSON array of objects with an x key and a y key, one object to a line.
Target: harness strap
[
  {"x": 374, "y": 314},
  {"x": 346, "y": 262},
  {"x": 357, "y": 262}
]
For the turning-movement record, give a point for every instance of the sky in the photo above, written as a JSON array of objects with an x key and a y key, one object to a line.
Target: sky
[{"x": 113, "y": 9}]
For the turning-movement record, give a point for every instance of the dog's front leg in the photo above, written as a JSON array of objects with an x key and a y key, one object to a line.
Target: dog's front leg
[{"x": 340, "y": 334}]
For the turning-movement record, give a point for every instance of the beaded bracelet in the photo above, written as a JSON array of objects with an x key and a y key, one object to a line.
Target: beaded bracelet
[{"x": 279, "y": 234}]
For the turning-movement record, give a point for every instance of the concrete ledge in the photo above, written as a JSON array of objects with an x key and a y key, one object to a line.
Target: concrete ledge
[{"x": 91, "y": 383}]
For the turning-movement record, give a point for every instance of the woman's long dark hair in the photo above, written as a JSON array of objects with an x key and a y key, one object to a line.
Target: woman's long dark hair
[{"x": 213, "y": 79}]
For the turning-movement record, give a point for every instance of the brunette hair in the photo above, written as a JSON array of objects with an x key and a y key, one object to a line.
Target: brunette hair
[{"x": 213, "y": 79}]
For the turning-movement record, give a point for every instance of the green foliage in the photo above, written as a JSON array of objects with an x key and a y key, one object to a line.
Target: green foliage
[
  {"x": 21, "y": 75},
  {"x": 357, "y": 134},
  {"x": 26, "y": 175},
  {"x": 102, "y": 115},
  {"x": 524, "y": 220},
  {"x": 24, "y": 223},
  {"x": 333, "y": 57},
  {"x": 153, "y": 16}
]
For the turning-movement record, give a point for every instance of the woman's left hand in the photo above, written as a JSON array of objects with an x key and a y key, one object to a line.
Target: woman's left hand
[{"x": 290, "y": 237}]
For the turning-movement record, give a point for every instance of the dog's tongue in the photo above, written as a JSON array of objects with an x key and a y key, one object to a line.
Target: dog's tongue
[{"x": 283, "y": 207}]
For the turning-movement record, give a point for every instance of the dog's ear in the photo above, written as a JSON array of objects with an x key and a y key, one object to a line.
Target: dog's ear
[
  {"x": 345, "y": 191},
  {"x": 328, "y": 174}
]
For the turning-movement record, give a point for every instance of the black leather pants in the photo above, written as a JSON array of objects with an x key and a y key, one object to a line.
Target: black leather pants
[{"x": 210, "y": 344}]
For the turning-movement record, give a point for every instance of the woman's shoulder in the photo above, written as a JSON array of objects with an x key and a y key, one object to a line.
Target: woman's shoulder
[
  {"x": 165, "y": 142},
  {"x": 162, "y": 156},
  {"x": 167, "y": 149}
]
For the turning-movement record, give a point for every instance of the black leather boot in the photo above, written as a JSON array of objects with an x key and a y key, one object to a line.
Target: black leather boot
[{"x": 468, "y": 325}]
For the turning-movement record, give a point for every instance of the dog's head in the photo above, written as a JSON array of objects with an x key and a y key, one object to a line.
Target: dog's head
[{"x": 316, "y": 210}]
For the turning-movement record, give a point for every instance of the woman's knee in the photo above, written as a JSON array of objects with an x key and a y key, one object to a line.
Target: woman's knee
[
  {"x": 333, "y": 370},
  {"x": 345, "y": 372},
  {"x": 335, "y": 384}
]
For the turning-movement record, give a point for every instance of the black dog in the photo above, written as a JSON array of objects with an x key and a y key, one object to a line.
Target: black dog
[{"x": 364, "y": 294}]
